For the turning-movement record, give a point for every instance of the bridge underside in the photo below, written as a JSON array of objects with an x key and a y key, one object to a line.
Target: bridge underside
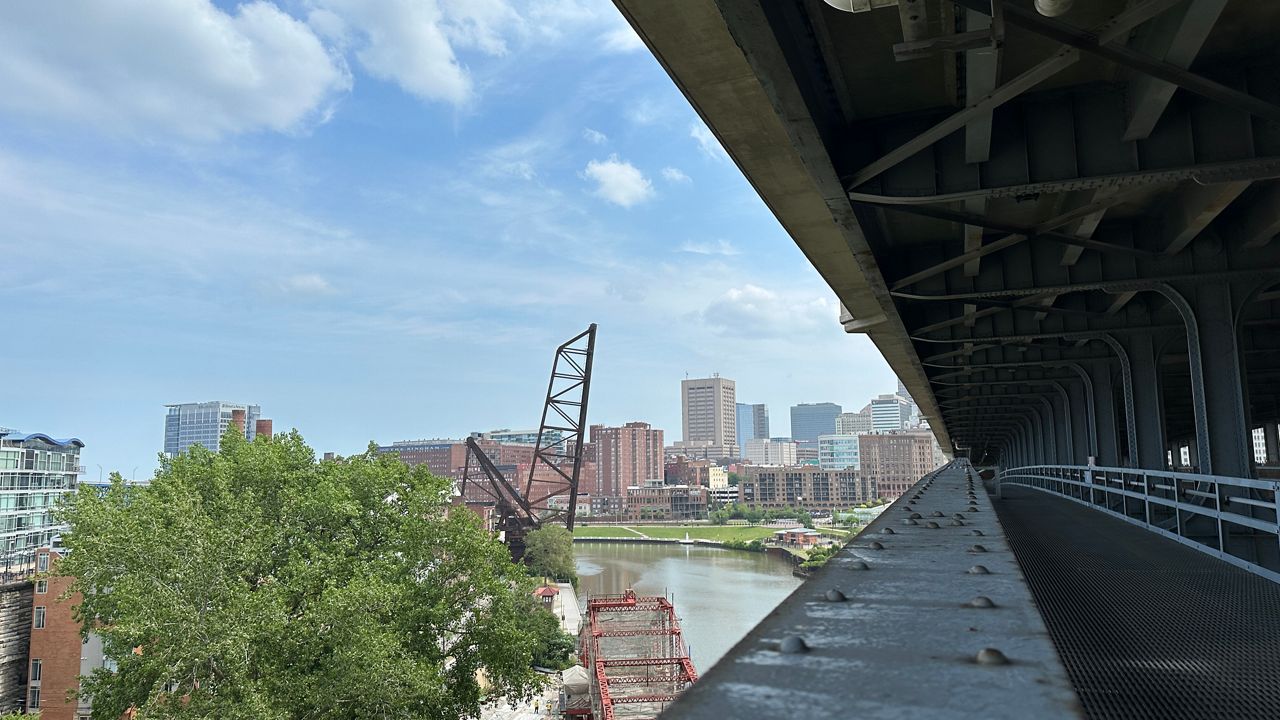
[{"x": 1059, "y": 232}]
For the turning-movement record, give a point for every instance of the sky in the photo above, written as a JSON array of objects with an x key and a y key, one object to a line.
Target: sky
[{"x": 377, "y": 219}]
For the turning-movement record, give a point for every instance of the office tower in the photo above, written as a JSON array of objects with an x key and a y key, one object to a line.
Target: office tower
[
  {"x": 188, "y": 424},
  {"x": 753, "y": 423},
  {"x": 889, "y": 413},
  {"x": 854, "y": 423},
  {"x": 35, "y": 471},
  {"x": 837, "y": 452},
  {"x": 809, "y": 420},
  {"x": 710, "y": 413},
  {"x": 764, "y": 451}
]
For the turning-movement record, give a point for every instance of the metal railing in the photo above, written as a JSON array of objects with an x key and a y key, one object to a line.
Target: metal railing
[{"x": 1234, "y": 519}]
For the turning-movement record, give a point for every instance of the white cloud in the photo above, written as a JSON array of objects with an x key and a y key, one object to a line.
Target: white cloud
[
  {"x": 719, "y": 247},
  {"x": 178, "y": 68},
  {"x": 707, "y": 142},
  {"x": 305, "y": 284},
  {"x": 619, "y": 182},
  {"x": 595, "y": 137},
  {"x": 758, "y": 312},
  {"x": 410, "y": 42},
  {"x": 674, "y": 175},
  {"x": 621, "y": 40}
]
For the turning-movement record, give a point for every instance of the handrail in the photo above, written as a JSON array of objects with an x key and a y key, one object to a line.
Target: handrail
[{"x": 1234, "y": 519}]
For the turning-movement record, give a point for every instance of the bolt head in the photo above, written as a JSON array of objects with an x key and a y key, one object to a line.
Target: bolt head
[
  {"x": 936, "y": 513},
  {"x": 973, "y": 509},
  {"x": 981, "y": 601},
  {"x": 956, "y": 523},
  {"x": 859, "y": 565},
  {"x": 909, "y": 521},
  {"x": 915, "y": 516},
  {"x": 976, "y": 532},
  {"x": 888, "y": 531},
  {"x": 991, "y": 656},
  {"x": 834, "y": 595},
  {"x": 876, "y": 545},
  {"x": 977, "y": 549},
  {"x": 793, "y": 645},
  {"x": 932, "y": 525},
  {"x": 979, "y": 570}
]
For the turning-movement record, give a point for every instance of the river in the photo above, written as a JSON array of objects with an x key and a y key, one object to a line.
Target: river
[{"x": 719, "y": 594}]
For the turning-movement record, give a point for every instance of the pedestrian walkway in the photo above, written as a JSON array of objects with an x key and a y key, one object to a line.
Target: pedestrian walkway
[{"x": 1146, "y": 627}]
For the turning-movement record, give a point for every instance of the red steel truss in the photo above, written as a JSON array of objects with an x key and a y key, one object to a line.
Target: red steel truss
[{"x": 635, "y": 648}]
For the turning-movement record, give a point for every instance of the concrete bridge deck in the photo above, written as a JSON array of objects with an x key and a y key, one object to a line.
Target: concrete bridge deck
[{"x": 1146, "y": 627}]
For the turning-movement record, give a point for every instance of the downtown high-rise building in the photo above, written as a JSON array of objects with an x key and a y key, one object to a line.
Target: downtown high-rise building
[
  {"x": 890, "y": 413},
  {"x": 854, "y": 423},
  {"x": 188, "y": 424},
  {"x": 710, "y": 414},
  {"x": 809, "y": 420},
  {"x": 753, "y": 423}
]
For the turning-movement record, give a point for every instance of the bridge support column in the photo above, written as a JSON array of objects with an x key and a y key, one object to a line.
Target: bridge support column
[
  {"x": 1104, "y": 413},
  {"x": 1271, "y": 434},
  {"x": 1148, "y": 409},
  {"x": 1228, "y": 429},
  {"x": 1081, "y": 423},
  {"x": 1061, "y": 414}
]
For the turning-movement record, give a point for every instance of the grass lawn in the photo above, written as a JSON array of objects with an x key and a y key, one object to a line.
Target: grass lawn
[
  {"x": 698, "y": 532},
  {"x": 606, "y": 531}
]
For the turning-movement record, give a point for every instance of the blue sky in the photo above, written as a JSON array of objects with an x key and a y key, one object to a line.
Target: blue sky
[{"x": 377, "y": 220}]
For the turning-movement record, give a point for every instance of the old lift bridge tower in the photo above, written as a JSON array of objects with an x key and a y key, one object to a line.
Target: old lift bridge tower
[{"x": 550, "y": 492}]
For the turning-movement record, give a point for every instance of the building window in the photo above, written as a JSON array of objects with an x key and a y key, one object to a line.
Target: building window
[
  {"x": 35, "y": 669},
  {"x": 38, "y": 618},
  {"x": 42, "y": 563},
  {"x": 35, "y": 699},
  {"x": 42, "y": 587}
]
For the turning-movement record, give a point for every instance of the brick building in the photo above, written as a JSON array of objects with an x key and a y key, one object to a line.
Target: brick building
[
  {"x": 58, "y": 657},
  {"x": 805, "y": 486},
  {"x": 894, "y": 461},
  {"x": 625, "y": 456},
  {"x": 659, "y": 501}
]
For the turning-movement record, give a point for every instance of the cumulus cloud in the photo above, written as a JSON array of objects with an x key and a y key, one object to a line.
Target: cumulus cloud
[
  {"x": 178, "y": 67},
  {"x": 595, "y": 137},
  {"x": 759, "y": 312},
  {"x": 619, "y": 181},
  {"x": 411, "y": 42},
  {"x": 719, "y": 247},
  {"x": 707, "y": 142},
  {"x": 674, "y": 175}
]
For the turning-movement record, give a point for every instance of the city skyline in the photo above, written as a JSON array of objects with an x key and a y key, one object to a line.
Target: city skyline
[{"x": 372, "y": 252}]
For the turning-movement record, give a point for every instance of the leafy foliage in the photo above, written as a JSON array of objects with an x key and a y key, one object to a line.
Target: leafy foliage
[
  {"x": 554, "y": 647},
  {"x": 256, "y": 583},
  {"x": 755, "y": 515},
  {"x": 549, "y": 553},
  {"x": 748, "y": 545}
]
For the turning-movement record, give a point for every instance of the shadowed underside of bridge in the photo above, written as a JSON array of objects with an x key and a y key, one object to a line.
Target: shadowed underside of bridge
[
  {"x": 1146, "y": 627},
  {"x": 1060, "y": 232}
]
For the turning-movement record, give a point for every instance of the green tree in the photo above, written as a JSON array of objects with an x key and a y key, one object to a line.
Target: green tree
[
  {"x": 549, "y": 553},
  {"x": 257, "y": 583},
  {"x": 734, "y": 479},
  {"x": 554, "y": 647}
]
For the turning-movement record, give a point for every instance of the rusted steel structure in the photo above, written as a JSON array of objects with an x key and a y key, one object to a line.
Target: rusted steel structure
[{"x": 635, "y": 650}]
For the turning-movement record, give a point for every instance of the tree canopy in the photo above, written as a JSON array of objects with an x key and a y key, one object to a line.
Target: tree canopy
[
  {"x": 256, "y": 583},
  {"x": 549, "y": 553}
]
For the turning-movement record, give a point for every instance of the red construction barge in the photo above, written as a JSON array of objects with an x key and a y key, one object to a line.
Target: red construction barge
[{"x": 635, "y": 654}]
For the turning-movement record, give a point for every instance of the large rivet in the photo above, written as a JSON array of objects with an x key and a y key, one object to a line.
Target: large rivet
[
  {"x": 834, "y": 595},
  {"x": 937, "y": 513},
  {"x": 932, "y": 525},
  {"x": 876, "y": 545},
  {"x": 981, "y": 601},
  {"x": 888, "y": 531},
  {"x": 909, "y": 521},
  {"x": 915, "y": 516},
  {"x": 991, "y": 656},
  {"x": 973, "y": 509},
  {"x": 977, "y": 548},
  {"x": 859, "y": 565},
  {"x": 979, "y": 570},
  {"x": 956, "y": 523},
  {"x": 958, "y": 516},
  {"x": 976, "y": 532},
  {"x": 796, "y": 644}
]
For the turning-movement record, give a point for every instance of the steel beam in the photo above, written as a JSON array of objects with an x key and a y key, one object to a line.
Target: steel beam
[{"x": 1175, "y": 37}]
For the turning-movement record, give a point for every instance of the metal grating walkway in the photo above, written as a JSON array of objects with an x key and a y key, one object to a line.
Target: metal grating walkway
[{"x": 1146, "y": 627}]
